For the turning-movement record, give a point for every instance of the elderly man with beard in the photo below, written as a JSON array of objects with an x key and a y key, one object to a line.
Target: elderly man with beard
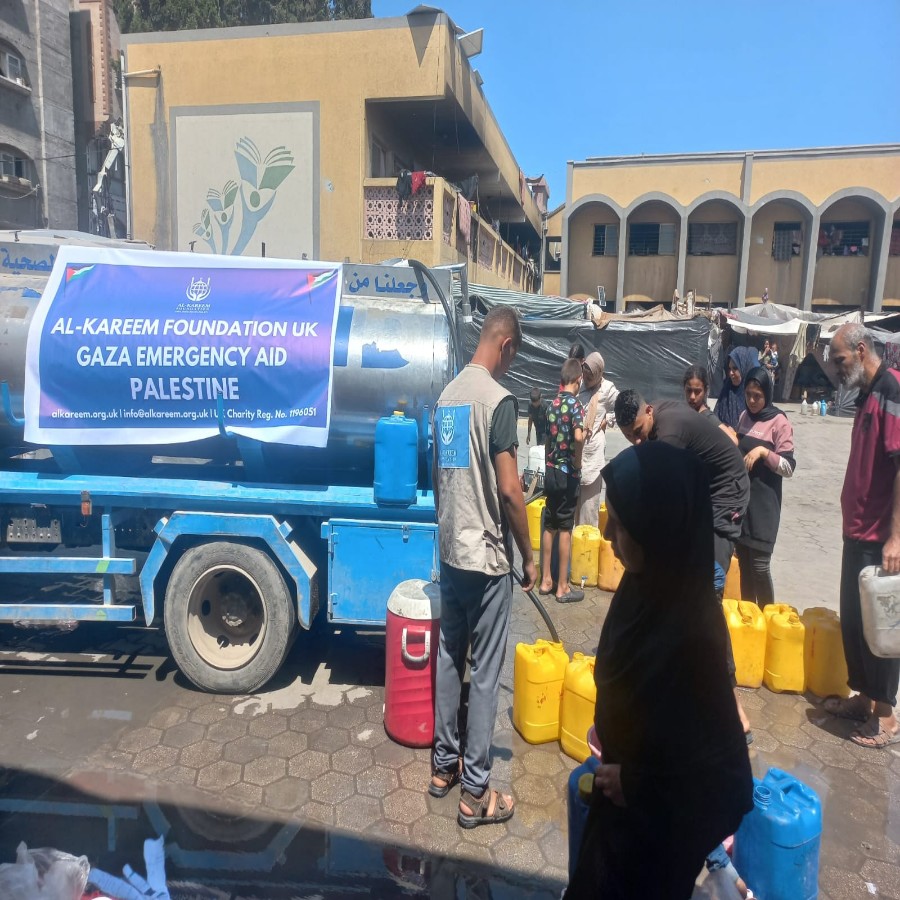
[{"x": 870, "y": 506}]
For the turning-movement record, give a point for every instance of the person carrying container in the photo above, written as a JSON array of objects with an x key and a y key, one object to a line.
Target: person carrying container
[
  {"x": 870, "y": 506},
  {"x": 479, "y": 507}
]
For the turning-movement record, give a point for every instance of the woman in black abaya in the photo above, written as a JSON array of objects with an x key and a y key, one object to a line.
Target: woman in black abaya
[{"x": 675, "y": 779}]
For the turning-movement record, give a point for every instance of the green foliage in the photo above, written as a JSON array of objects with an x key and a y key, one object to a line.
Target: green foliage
[{"x": 176, "y": 15}]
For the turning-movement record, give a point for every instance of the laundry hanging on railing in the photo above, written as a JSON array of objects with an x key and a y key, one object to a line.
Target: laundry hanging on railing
[{"x": 464, "y": 217}]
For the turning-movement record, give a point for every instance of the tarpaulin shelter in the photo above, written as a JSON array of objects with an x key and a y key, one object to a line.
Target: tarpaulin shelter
[{"x": 649, "y": 356}]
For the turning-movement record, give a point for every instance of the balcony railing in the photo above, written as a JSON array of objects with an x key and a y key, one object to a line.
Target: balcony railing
[{"x": 387, "y": 218}]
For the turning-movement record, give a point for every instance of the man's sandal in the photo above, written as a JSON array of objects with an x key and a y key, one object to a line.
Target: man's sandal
[
  {"x": 488, "y": 809},
  {"x": 448, "y": 781},
  {"x": 846, "y": 708},
  {"x": 875, "y": 738}
]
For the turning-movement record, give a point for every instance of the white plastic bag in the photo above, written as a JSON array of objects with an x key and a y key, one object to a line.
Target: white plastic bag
[{"x": 44, "y": 874}]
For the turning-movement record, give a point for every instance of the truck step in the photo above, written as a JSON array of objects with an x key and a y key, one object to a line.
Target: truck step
[
  {"x": 70, "y": 565},
  {"x": 62, "y": 612}
]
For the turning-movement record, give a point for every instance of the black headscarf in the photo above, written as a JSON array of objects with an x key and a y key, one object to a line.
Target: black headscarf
[
  {"x": 731, "y": 403},
  {"x": 762, "y": 377},
  {"x": 664, "y": 699}
]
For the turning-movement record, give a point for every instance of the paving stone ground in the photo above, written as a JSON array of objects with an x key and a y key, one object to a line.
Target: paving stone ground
[{"x": 300, "y": 787}]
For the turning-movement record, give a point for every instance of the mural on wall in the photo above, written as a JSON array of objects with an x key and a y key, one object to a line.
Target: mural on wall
[
  {"x": 260, "y": 180},
  {"x": 245, "y": 181}
]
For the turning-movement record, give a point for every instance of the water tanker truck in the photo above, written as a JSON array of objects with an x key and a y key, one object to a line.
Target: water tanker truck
[{"x": 207, "y": 426}]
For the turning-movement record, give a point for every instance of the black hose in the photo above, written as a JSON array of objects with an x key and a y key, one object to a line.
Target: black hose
[
  {"x": 455, "y": 350},
  {"x": 540, "y": 606}
]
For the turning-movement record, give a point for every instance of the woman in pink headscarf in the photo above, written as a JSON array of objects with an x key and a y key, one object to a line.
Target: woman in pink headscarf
[{"x": 598, "y": 397}]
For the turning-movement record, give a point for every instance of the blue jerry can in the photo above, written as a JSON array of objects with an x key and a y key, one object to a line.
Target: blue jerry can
[
  {"x": 776, "y": 849},
  {"x": 579, "y": 804},
  {"x": 396, "y": 460}
]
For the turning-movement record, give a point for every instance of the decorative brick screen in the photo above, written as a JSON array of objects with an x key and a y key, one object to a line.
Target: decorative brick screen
[{"x": 389, "y": 219}]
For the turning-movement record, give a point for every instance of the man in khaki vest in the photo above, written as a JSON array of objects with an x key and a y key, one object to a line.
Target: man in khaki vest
[{"x": 479, "y": 503}]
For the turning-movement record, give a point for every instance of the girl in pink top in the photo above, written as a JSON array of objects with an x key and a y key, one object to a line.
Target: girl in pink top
[{"x": 766, "y": 440}]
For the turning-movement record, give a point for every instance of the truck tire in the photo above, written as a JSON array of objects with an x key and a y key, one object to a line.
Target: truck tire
[{"x": 229, "y": 617}]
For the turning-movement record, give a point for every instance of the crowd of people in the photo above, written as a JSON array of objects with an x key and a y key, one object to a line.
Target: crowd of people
[{"x": 696, "y": 486}]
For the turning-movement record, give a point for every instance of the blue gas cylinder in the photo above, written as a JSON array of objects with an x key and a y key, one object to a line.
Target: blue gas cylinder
[
  {"x": 579, "y": 804},
  {"x": 776, "y": 849},
  {"x": 396, "y": 460}
]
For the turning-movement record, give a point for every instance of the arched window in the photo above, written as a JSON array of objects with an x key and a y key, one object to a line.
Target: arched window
[
  {"x": 12, "y": 66},
  {"x": 16, "y": 169}
]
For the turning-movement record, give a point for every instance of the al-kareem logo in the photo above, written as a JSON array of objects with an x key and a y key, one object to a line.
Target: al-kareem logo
[
  {"x": 198, "y": 289},
  {"x": 196, "y": 292}
]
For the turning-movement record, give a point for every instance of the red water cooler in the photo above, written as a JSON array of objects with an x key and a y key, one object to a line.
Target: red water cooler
[{"x": 411, "y": 648}]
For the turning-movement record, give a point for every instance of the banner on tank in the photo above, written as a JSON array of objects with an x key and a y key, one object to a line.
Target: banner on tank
[{"x": 132, "y": 347}]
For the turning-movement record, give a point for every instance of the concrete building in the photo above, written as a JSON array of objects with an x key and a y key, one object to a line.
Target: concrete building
[
  {"x": 99, "y": 138},
  {"x": 290, "y": 139},
  {"x": 37, "y": 142},
  {"x": 818, "y": 229}
]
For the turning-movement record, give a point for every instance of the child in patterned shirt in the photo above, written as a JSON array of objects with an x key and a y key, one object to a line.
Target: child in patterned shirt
[{"x": 565, "y": 441}]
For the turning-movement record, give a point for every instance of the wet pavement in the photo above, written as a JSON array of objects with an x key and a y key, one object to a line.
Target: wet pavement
[{"x": 298, "y": 792}]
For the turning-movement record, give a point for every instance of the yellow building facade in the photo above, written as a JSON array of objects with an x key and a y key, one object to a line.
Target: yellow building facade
[
  {"x": 287, "y": 141},
  {"x": 818, "y": 229}
]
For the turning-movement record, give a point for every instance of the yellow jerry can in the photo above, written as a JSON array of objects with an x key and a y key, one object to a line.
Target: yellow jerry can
[
  {"x": 538, "y": 675},
  {"x": 747, "y": 629},
  {"x": 610, "y": 571},
  {"x": 601, "y": 521},
  {"x": 733, "y": 580},
  {"x": 534, "y": 510},
  {"x": 784, "y": 648},
  {"x": 576, "y": 714},
  {"x": 585, "y": 555},
  {"x": 823, "y": 653}
]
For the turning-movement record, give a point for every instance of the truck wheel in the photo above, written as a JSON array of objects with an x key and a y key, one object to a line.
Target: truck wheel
[{"x": 229, "y": 617}]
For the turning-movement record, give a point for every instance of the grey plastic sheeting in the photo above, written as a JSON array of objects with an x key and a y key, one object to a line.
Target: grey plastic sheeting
[{"x": 648, "y": 358}]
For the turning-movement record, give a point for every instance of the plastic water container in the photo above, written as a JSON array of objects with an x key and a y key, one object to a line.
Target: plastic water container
[
  {"x": 396, "y": 460},
  {"x": 776, "y": 849},
  {"x": 535, "y": 510},
  {"x": 538, "y": 674},
  {"x": 785, "y": 636},
  {"x": 411, "y": 649},
  {"x": 576, "y": 712},
  {"x": 537, "y": 458},
  {"x": 610, "y": 569},
  {"x": 602, "y": 518},
  {"x": 585, "y": 555},
  {"x": 880, "y": 602},
  {"x": 578, "y": 796},
  {"x": 733, "y": 580},
  {"x": 747, "y": 629},
  {"x": 823, "y": 653}
]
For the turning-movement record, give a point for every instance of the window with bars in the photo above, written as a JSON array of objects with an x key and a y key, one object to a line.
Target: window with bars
[
  {"x": 606, "y": 240},
  {"x": 712, "y": 239},
  {"x": 646, "y": 239},
  {"x": 894, "y": 248},
  {"x": 787, "y": 240},
  {"x": 844, "y": 238}
]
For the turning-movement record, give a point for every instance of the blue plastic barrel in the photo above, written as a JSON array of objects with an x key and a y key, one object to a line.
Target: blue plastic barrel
[
  {"x": 578, "y": 809},
  {"x": 776, "y": 849},
  {"x": 396, "y": 460}
]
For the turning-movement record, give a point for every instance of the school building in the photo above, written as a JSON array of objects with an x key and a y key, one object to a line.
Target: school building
[
  {"x": 816, "y": 228},
  {"x": 289, "y": 141}
]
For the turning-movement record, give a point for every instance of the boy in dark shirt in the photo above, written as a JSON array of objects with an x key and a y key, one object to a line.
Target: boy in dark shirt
[
  {"x": 565, "y": 441},
  {"x": 537, "y": 416}
]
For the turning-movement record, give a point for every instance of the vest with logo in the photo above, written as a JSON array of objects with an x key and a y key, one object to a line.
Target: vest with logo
[{"x": 471, "y": 524}]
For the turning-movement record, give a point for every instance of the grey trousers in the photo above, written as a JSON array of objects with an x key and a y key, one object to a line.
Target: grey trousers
[{"x": 474, "y": 608}]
